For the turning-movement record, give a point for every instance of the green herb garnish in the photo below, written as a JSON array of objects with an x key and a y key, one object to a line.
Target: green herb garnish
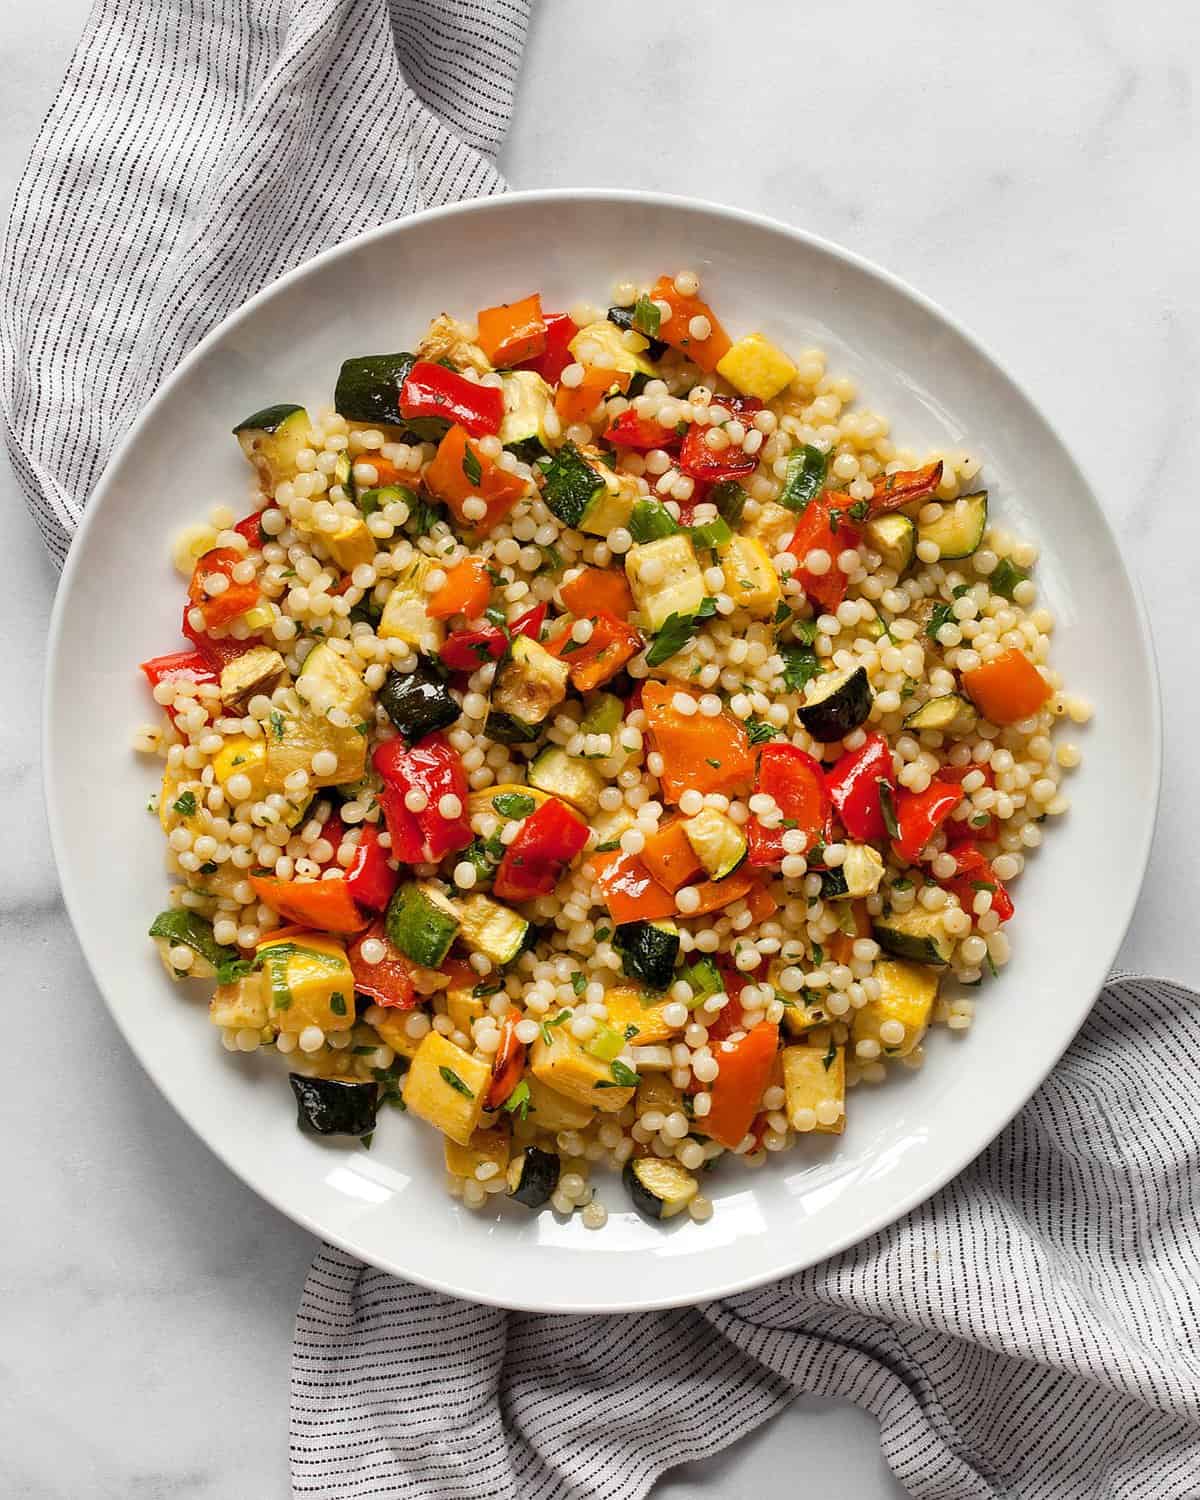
[
  {"x": 451, "y": 1077},
  {"x": 887, "y": 806},
  {"x": 579, "y": 982},
  {"x": 471, "y": 466},
  {"x": 647, "y": 316},
  {"x": 337, "y": 1003},
  {"x": 513, "y": 804},
  {"x": 185, "y": 804},
  {"x": 800, "y": 666},
  {"x": 517, "y": 1102},
  {"x": 277, "y": 723},
  {"x": 758, "y": 731},
  {"x": 943, "y": 614},
  {"x": 677, "y": 631}
]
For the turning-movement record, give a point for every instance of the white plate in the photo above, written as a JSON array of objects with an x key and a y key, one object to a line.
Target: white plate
[{"x": 120, "y": 602}]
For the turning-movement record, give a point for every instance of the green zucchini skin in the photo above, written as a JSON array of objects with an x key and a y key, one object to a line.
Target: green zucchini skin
[
  {"x": 270, "y": 419},
  {"x": 368, "y": 387},
  {"x": 572, "y": 485},
  {"x": 659, "y": 1188},
  {"x": 913, "y": 936},
  {"x": 326, "y": 1106},
  {"x": 841, "y": 711},
  {"x": 509, "y": 731},
  {"x": 623, "y": 318},
  {"x": 533, "y": 1177},
  {"x": 418, "y": 702},
  {"x": 648, "y": 951},
  {"x": 419, "y": 926}
]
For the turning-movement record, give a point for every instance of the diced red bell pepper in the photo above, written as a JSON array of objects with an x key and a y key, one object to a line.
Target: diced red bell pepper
[
  {"x": 431, "y": 390},
  {"x": 217, "y": 652},
  {"x": 465, "y": 649},
  {"x": 251, "y": 528},
  {"x": 822, "y": 527},
  {"x": 546, "y": 842},
  {"x": 738, "y": 1088},
  {"x": 797, "y": 783},
  {"x": 554, "y": 359},
  {"x": 744, "y": 408},
  {"x": 389, "y": 982},
  {"x": 512, "y": 332},
  {"x": 630, "y": 892},
  {"x": 699, "y": 461},
  {"x": 611, "y": 644},
  {"x": 641, "y": 433},
  {"x": 324, "y": 904},
  {"x": 188, "y": 664},
  {"x": 961, "y": 830},
  {"x": 369, "y": 879},
  {"x": 508, "y": 1063},
  {"x": 894, "y": 490},
  {"x": 975, "y": 874},
  {"x": 466, "y": 591},
  {"x": 220, "y": 609},
  {"x": 434, "y": 767},
  {"x": 853, "y": 784},
  {"x": 919, "y": 815}
]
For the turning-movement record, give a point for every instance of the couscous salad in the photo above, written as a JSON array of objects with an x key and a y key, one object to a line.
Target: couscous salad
[{"x": 601, "y": 742}]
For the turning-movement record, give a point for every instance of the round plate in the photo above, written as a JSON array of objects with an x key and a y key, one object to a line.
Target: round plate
[{"x": 120, "y": 602}]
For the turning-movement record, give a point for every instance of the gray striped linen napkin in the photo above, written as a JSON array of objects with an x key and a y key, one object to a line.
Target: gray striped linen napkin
[{"x": 1029, "y": 1332}]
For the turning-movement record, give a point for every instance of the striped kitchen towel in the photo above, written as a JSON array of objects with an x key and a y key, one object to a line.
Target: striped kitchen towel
[
  {"x": 1030, "y": 1333},
  {"x": 197, "y": 150}
]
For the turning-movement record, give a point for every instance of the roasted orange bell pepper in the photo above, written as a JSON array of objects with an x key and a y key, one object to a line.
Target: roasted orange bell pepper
[
  {"x": 513, "y": 332},
  {"x": 738, "y": 1088},
  {"x": 324, "y": 904},
  {"x": 630, "y": 892},
  {"x": 706, "y": 754},
  {"x": 669, "y": 856},
  {"x": 675, "y": 330},
  {"x": 507, "y": 1064},
  {"x": 465, "y": 592},
  {"x": 459, "y": 470},
  {"x": 595, "y": 590},
  {"x": 823, "y": 527},
  {"x": 220, "y": 609},
  {"x": 1007, "y": 688},
  {"x": 592, "y": 662},
  {"x": 894, "y": 490},
  {"x": 714, "y": 894},
  {"x": 578, "y": 403}
]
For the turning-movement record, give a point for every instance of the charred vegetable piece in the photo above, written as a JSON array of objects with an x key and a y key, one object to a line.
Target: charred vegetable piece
[
  {"x": 839, "y": 703},
  {"x": 648, "y": 951},
  {"x": 327, "y": 1106},
  {"x": 659, "y": 1188},
  {"x": 368, "y": 388},
  {"x": 420, "y": 701},
  {"x": 624, "y": 318},
  {"x": 533, "y": 1177}
]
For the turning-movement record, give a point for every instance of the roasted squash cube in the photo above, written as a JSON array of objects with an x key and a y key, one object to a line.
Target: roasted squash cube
[
  {"x": 484, "y": 1146},
  {"x": 446, "y": 1087},
  {"x": 756, "y": 367},
  {"x": 750, "y": 577},
  {"x": 308, "y": 981},
  {"x": 563, "y": 1065},
  {"x": 812, "y": 1077},
  {"x": 628, "y": 1006},
  {"x": 907, "y": 993}
]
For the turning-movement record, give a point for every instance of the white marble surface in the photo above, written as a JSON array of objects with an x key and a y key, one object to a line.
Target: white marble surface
[{"x": 1033, "y": 168}]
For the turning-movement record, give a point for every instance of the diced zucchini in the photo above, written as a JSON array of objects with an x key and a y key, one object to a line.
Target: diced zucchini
[
  {"x": 180, "y": 927},
  {"x": 330, "y": 680},
  {"x": 630, "y": 1008},
  {"x": 533, "y": 1177},
  {"x": 815, "y": 1075},
  {"x": 756, "y": 367},
  {"x": 422, "y": 922},
  {"x": 862, "y": 870},
  {"x": 334, "y": 1106},
  {"x": 803, "y": 1016},
  {"x": 750, "y": 577},
  {"x": 527, "y": 399},
  {"x": 612, "y": 506},
  {"x": 657, "y": 1092},
  {"x": 719, "y": 843},
  {"x": 894, "y": 537},
  {"x": 464, "y": 1007},
  {"x": 368, "y": 387},
  {"x": 773, "y": 526},
  {"x": 837, "y": 703},
  {"x": 391, "y": 1026},
  {"x": 259, "y": 670},
  {"x": 648, "y": 952},
  {"x": 352, "y": 545},
  {"x": 660, "y": 1188},
  {"x": 604, "y": 712},
  {"x": 675, "y": 585},
  {"x": 571, "y": 485},
  {"x": 405, "y": 615},
  {"x": 445, "y": 1086},
  {"x": 959, "y": 531},
  {"x": 530, "y": 684},
  {"x": 507, "y": 730},
  {"x": 907, "y": 993},
  {"x": 343, "y": 474},
  {"x": 918, "y": 935},
  {"x": 446, "y": 339},
  {"x": 563, "y": 1064},
  {"x": 949, "y": 714},
  {"x": 420, "y": 701},
  {"x": 327, "y": 680},
  {"x": 566, "y": 776},
  {"x": 240, "y": 1005},
  {"x": 271, "y": 438},
  {"x": 623, "y": 317},
  {"x": 484, "y": 1146},
  {"x": 551, "y": 1111},
  {"x": 610, "y": 348},
  {"x": 491, "y": 929},
  {"x": 309, "y": 982}
]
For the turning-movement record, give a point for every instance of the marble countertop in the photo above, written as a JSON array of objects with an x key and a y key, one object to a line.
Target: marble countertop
[{"x": 1030, "y": 167}]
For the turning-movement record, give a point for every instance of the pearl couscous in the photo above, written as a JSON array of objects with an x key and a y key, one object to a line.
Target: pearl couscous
[{"x": 603, "y": 742}]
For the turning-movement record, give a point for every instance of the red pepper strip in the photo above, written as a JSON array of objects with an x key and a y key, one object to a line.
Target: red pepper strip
[
  {"x": 546, "y": 842},
  {"x": 894, "y": 490},
  {"x": 370, "y": 879},
  {"x": 729, "y": 1018},
  {"x": 630, "y": 892},
  {"x": 465, "y": 649},
  {"x": 324, "y": 904},
  {"x": 797, "y": 783},
  {"x": 962, "y": 830},
  {"x": 508, "y": 1063},
  {"x": 560, "y": 330},
  {"x": 699, "y": 461},
  {"x": 389, "y": 982},
  {"x": 430, "y": 390},
  {"x": 818, "y": 529},
  {"x": 742, "y": 407},
  {"x": 188, "y": 664},
  {"x": 251, "y": 528},
  {"x": 641, "y": 433},
  {"x": 975, "y": 874},
  {"x": 919, "y": 815},
  {"x": 738, "y": 1088},
  {"x": 611, "y": 644},
  {"x": 853, "y": 786},
  {"x": 434, "y": 767},
  {"x": 218, "y": 653},
  {"x": 220, "y": 609}
]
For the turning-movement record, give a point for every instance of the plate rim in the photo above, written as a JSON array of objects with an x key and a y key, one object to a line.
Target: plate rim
[{"x": 956, "y": 1161}]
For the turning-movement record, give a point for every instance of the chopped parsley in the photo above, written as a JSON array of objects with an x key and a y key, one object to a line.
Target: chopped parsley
[
  {"x": 758, "y": 731},
  {"x": 487, "y": 987},
  {"x": 233, "y": 969},
  {"x": 677, "y": 631},
  {"x": 337, "y": 1003},
  {"x": 517, "y": 1102},
  {"x": 276, "y": 723},
  {"x": 451, "y": 1077},
  {"x": 828, "y": 1060},
  {"x": 471, "y": 466},
  {"x": 513, "y": 804},
  {"x": 579, "y": 982},
  {"x": 602, "y": 933},
  {"x": 860, "y": 510},
  {"x": 943, "y": 614},
  {"x": 623, "y": 1077},
  {"x": 606, "y": 848},
  {"x": 800, "y": 666},
  {"x": 185, "y": 804}
]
